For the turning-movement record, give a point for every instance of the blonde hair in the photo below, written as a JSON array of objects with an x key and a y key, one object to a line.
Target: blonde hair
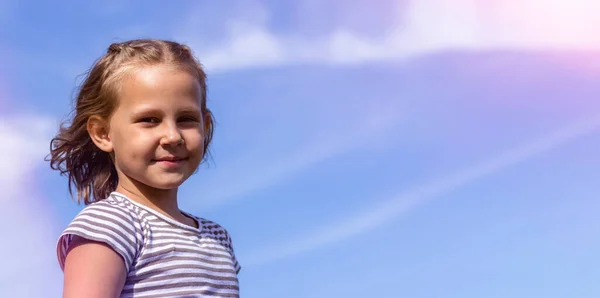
[{"x": 90, "y": 170}]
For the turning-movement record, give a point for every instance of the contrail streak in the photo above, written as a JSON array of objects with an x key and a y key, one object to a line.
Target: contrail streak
[{"x": 406, "y": 201}]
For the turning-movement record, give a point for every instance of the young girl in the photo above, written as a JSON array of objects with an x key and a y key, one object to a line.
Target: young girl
[{"x": 140, "y": 129}]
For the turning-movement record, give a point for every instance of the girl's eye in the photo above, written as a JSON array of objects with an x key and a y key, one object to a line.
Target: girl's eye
[{"x": 149, "y": 120}]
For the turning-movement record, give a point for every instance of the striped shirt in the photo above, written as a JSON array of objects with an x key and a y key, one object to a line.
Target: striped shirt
[{"x": 163, "y": 258}]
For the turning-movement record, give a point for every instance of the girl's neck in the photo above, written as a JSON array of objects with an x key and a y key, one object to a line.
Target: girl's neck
[{"x": 161, "y": 200}]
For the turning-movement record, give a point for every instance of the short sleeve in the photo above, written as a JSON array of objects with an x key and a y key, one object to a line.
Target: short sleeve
[
  {"x": 103, "y": 222},
  {"x": 236, "y": 264}
]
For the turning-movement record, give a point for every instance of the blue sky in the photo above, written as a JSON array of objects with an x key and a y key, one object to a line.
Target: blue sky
[{"x": 383, "y": 149}]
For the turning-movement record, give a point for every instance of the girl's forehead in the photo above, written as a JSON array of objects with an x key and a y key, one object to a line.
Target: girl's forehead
[
  {"x": 159, "y": 82},
  {"x": 158, "y": 74}
]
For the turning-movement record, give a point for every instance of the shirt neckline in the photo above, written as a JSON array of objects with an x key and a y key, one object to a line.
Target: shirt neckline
[{"x": 164, "y": 217}]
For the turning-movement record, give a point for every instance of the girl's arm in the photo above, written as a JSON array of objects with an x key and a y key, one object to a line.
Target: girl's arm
[{"x": 93, "y": 270}]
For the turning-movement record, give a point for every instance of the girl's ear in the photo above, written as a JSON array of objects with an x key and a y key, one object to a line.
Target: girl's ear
[
  {"x": 98, "y": 130},
  {"x": 207, "y": 121}
]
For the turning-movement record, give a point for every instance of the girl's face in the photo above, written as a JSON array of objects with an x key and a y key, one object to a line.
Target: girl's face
[{"x": 157, "y": 131}]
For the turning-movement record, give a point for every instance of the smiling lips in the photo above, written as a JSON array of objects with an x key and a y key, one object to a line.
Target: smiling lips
[{"x": 170, "y": 160}]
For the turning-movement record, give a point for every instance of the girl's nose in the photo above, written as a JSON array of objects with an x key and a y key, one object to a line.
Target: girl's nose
[{"x": 172, "y": 136}]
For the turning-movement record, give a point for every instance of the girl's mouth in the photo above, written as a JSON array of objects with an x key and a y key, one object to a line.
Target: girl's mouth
[{"x": 170, "y": 160}]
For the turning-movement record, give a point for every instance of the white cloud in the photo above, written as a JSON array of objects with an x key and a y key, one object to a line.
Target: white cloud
[
  {"x": 423, "y": 27},
  {"x": 246, "y": 47},
  {"x": 392, "y": 208},
  {"x": 27, "y": 142},
  {"x": 29, "y": 267}
]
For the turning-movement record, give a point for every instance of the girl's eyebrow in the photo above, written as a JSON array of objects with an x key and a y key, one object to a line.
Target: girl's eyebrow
[
  {"x": 150, "y": 110},
  {"x": 145, "y": 110},
  {"x": 189, "y": 111}
]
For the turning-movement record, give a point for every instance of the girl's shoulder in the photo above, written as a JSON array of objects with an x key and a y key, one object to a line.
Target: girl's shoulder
[
  {"x": 121, "y": 207},
  {"x": 214, "y": 230},
  {"x": 112, "y": 221},
  {"x": 215, "y": 234},
  {"x": 113, "y": 213}
]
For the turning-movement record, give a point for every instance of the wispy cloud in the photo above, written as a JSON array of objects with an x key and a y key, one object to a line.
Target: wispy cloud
[
  {"x": 422, "y": 27},
  {"x": 29, "y": 267},
  {"x": 390, "y": 209},
  {"x": 236, "y": 176}
]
